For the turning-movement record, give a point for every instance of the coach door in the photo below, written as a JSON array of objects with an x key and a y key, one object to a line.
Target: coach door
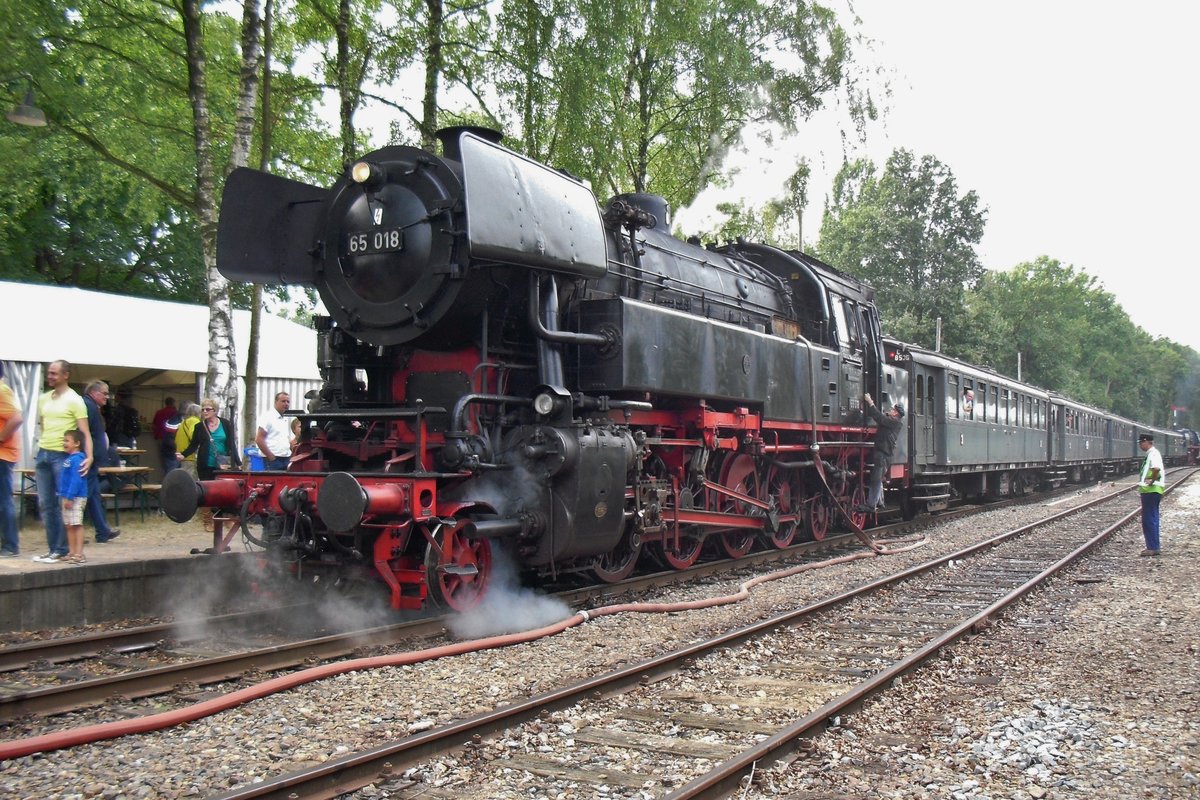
[{"x": 924, "y": 415}]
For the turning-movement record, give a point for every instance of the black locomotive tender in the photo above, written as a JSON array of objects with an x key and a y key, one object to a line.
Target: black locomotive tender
[{"x": 508, "y": 365}]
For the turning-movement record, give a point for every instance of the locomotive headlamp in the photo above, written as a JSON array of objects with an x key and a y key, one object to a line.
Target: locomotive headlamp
[
  {"x": 544, "y": 404},
  {"x": 552, "y": 401},
  {"x": 366, "y": 174}
]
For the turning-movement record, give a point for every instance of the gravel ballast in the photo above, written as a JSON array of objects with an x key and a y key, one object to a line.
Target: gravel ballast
[{"x": 1097, "y": 678}]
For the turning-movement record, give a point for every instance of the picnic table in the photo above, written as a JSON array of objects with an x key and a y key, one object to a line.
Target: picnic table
[{"x": 136, "y": 486}]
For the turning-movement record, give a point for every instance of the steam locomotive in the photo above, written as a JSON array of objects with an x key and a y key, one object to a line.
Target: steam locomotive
[{"x": 505, "y": 364}]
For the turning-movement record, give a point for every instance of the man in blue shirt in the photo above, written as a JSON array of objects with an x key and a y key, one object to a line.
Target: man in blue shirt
[{"x": 95, "y": 397}]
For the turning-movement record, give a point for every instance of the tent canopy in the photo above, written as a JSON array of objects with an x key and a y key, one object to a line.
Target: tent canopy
[{"x": 137, "y": 341}]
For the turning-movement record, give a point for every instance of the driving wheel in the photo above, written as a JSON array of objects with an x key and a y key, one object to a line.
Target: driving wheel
[{"x": 457, "y": 569}]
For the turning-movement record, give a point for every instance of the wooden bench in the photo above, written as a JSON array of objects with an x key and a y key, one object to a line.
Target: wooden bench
[
  {"x": 28, "y": 499},
  {"x": 128, "y": 489},
  {"x": 151, "y": 490},
  {"x": 25, "y": 500}
]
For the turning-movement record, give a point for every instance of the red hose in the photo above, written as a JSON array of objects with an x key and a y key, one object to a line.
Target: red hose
[{"x": 58, "y": 740}]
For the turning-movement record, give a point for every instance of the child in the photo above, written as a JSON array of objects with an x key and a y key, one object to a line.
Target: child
[{"x": 73, "y": 492}]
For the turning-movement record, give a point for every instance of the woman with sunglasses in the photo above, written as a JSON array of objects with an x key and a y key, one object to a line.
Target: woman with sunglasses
[{"x": 213, "y": 442}]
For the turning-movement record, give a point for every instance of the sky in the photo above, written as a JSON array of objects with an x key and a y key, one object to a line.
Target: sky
[{"x": 1076, "y": 123}]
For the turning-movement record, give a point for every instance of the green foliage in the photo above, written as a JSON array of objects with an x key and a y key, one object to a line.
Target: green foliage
[
  {"x": 1072, "y": 336},
  {"x": 643, "y": 96},
  {"x": 74, "y": 222},
  {"x": 104, "y": 197},
  {"x": 910, "y": 234},
  {"x": 777, "y": 222}
]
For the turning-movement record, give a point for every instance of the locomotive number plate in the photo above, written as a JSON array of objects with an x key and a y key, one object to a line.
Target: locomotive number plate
[{"x": 384, "y": 240}]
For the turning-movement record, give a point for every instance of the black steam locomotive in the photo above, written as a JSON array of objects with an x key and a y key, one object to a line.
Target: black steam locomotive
[{"x": 508, "y": 365}]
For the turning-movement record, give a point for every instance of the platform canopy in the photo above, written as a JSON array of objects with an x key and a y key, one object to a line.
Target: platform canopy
[{"x": 134, "y": 341}]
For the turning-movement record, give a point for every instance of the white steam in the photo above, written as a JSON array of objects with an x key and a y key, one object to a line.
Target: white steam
[{"x": 507, "y": 607}]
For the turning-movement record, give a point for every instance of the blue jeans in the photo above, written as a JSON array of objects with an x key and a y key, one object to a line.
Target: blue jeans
[
  {"x": 47, "y": 467},
  {"x": 166, "y": 449},
  {"x": 1150, "y": 501},
  {"x": 95, "y": 505},
  {"x": 277, "y": 463},
  {"x": 8, "y": 513}
]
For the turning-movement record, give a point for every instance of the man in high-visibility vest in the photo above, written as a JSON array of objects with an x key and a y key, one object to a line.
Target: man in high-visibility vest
[{"x": 1151, "y": 485}]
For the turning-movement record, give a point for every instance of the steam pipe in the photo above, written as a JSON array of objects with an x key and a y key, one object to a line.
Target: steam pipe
[
  {"x": 560, "y": 337},
  {"x": 550, "y": 363},
  {"x": 488, "y": 528},
  {"x": 456, "y": 418}
]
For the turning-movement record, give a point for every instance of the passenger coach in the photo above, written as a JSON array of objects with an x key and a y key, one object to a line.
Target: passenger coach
[{"x": 972, "y": 431}]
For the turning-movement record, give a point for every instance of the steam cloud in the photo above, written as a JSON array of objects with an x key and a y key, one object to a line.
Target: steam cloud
[{"x": 507, "y": 607}]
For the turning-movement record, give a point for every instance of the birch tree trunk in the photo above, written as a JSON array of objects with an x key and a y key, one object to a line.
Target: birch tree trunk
[
  {"x": 249, "y": 423},
  {"x": 220, "y": 381}
]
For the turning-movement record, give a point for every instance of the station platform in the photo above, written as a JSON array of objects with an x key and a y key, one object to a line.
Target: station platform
[{"x": 149, "y": 570}]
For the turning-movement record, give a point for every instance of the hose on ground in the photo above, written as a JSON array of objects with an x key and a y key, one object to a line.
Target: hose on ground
[{"x": 59, "y": 740}]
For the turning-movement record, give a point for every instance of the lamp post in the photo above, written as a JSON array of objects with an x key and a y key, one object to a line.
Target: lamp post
[{"x": 26, "y": 113}]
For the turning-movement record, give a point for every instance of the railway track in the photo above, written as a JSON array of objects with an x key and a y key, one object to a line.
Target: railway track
[
  {"x": 121, "y": 667},
  {"x": 697, "y": 721},
  {"x": 58, "y": 675},
  {"x": 115, "y": 673}
]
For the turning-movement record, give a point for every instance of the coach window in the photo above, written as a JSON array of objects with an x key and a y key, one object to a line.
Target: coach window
[
  {"x": 981, "y": 401},
  {"x": 1002, "y": 410},
  {"x": 929, "y": 395},
  {"x": 953, "y": 401},
  {"x": 995, "y": 404}
]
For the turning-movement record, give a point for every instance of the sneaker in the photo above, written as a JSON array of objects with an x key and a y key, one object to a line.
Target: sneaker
[
  {"x": 7, "y": 554},
  {"x": 50, "y": 558},
  {"x": 1148, "y": 552},
  {"x": 76, "y": 559},
  {"x": 108, "y": 537}
]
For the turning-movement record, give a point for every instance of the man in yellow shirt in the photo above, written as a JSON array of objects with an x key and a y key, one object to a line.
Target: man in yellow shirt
[{"x": 59, "y": 410}]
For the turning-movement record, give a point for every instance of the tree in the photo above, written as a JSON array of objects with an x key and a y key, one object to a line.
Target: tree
[
  {"x": 1071, "y": 336},
  {"x": 1037, "y": 310},
  {"x": 795, "y": 199},
  {"x": 648, "y": 97},
  {"x": 222, "y": 374},
  {"x": 163, "y": 99},
  {"x": 75, "y": 222},
  {"x": 910, "y": 234}
]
